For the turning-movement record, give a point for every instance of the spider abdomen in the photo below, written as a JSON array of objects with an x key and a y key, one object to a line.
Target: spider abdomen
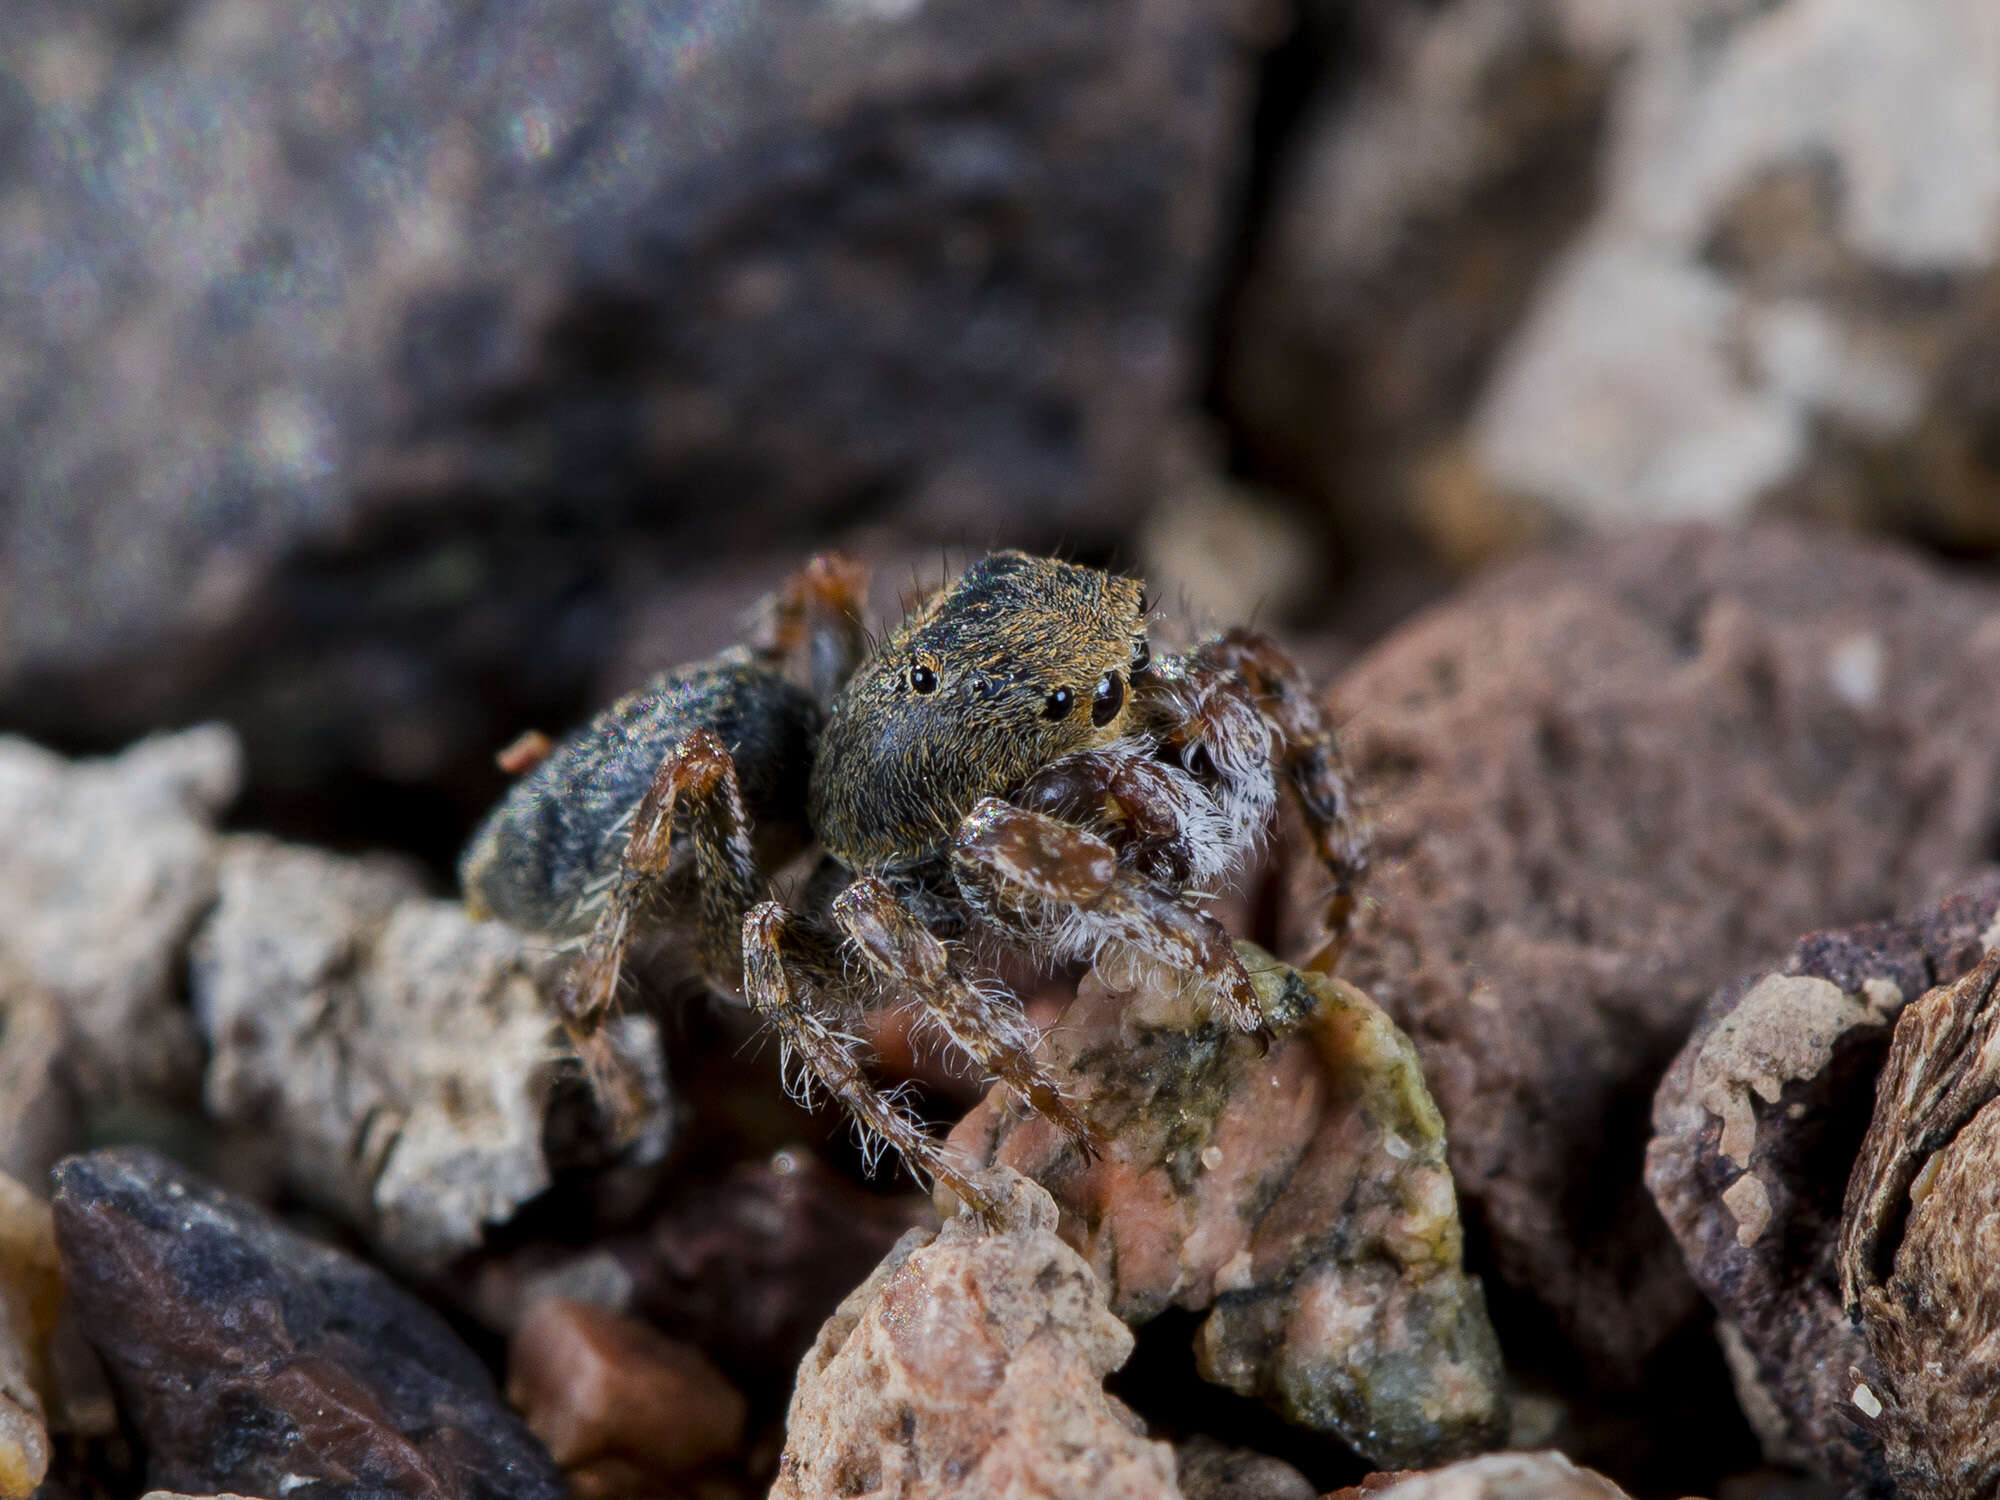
[{"x": 545, "y": 856}]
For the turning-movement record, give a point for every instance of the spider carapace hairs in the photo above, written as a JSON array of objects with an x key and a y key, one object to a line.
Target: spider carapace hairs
[{"x": 1010, "y": 766}]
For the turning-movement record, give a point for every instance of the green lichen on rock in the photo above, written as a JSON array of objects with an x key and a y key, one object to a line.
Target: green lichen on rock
[{"x": 1299, "y": 1192}]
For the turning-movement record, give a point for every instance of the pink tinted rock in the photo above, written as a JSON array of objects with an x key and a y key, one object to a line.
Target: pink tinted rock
[
  {"x": 1299, "y": 1191},
  {"x": 593, "y": 1384},
  {"x": 1605, "y": 781},
  {"x": 971, "y": 1363}
]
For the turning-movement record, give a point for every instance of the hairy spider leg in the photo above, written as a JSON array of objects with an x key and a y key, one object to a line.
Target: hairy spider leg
[
  {"x": 992, "y": 1032},
  {"x": 775, "y": 948},
  {"x": 1163, "y": 822},
  {"x": 1310, "y": 758},
  {"x": 814, "y": 622},
  {"x": 696, "y": 782},
  {"x": 1062, "y": 887}
]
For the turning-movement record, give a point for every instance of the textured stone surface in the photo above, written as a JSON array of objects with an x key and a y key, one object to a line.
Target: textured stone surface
[
  {"x": 1207, "y": 1470},
  {"x": 250, "y": 1358},
  {"x": 594, "y": 1384},
  {"x": 110, "y": 863},
  {"x": 1603, "y": 783},
  {"x": 403, "y": 1055},
  {"x": 1299, "y": 1195},
  {"x": 353, "y": 372},
  {"x": 1919, "y": 1242},
  {"x": 1756, "y": 1128},
  {"x": 1600, "y": 262},
  {"x": 1497, "y": 1476},
  {"x": 748, "y": 1268},
  {"x": 30, "y": 1297},
  {"x": 971, "y": 1363}
]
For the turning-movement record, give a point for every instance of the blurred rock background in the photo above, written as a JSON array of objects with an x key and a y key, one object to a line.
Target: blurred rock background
[{"x": 386, "y": 379}]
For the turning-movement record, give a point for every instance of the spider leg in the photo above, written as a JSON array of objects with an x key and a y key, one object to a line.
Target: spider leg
[
  {"x": 774, "y": 949},
  {"x": 900, "y": 949},
  {"x": 697, "y": 781},
  {"x": 1308, "y": 754},
  {"x": 1063, "y": 886},
  {"x": 1162, "y": 821},
  {"x": 813, "y": 624}
]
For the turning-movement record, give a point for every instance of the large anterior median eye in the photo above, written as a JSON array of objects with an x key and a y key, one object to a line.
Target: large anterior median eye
[
  {"x": 923, "y": 679},
  {"x": 1109, "y": 698}
]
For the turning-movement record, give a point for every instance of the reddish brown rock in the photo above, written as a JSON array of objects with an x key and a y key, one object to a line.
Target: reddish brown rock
[
  {"x": 1604, "y": 782},
  {"x": 1920, "y": 1241},
  {"x": 594, "y": 1384},
  {"x": 1757, "y": 1126},
  {"x": 971, "y": 1363},
  {"x": 1298, "y": 1194}
]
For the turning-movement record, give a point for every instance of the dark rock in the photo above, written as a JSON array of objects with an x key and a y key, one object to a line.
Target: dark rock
[
  {"x": 1297, "y": 1194},
  {"x": 251, "y": 1358},
  {"x": 355, "y": 373},
  {"x": 747, "y": 1268},
  {"x": 1207, "y": 1470},
  {"x": 1608, "y": 780},
  {"x": 1757, "y": 1126}
]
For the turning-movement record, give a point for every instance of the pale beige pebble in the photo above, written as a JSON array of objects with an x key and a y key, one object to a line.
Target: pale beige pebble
[
  {"x": 1783, "y": 1029},
  {"x": 30, "y": 1297},
  {"x": 404, "y": 1055},
  {"x": 109, "y": 865},
  {"x": 1496, "y": 1476},
  {"x": 594, "y": 1384},
  {"x": 972, "y": 1363}
]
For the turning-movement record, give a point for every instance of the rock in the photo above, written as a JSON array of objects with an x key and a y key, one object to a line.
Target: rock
[
  {"x": 1497, "y": 1476},
  {"x": 1299, "y": 1195},
  {"x": 1603, "y": 782},
  {"x": 747, "y": 1267},
  {"x": 971, "y": 1362},
  {"x": 30, "y": 1299},
  {"x": 1442, "y": 156},
  {"x": 1584, "y": 263},
  {"x": 110, "y": 864},
  {"x": 461, "y": 331},
  {"x": 1756, "y": 1127},
  {"x": 1919, "y": 1242},
  {"x": 1207, "y": 1470},
  {"x": 248, "y": 1357},
  {"x": 402, "y": 1054},
  {"x": 595, "y": 1384}
]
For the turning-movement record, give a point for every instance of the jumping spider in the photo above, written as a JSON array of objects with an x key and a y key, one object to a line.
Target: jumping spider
[{"x": 1011, "y": 765}]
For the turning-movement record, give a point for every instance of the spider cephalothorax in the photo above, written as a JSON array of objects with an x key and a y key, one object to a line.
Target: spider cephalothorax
[{"x": 1010, "y": 764}]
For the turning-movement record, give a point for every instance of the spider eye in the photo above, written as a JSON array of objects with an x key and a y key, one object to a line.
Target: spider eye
[
  {"x": 1057, "y": 705},
  {"x": 1142, "y": 656},
  {"x": 923, "y": 679},
  {"x": 1109, "y": 698}
]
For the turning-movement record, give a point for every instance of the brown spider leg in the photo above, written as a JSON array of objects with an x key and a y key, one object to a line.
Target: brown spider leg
[
  {"x": 772, "y": 953},
  {"x": 1142, "y": 806},
  {"x": 1036, "y": 862},
  {"x": 813, "y": 623},
  {"x": 899, "y": 947},
  {"x": 697, "y": 779},
  {"x": 1313, "y": 766}
]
